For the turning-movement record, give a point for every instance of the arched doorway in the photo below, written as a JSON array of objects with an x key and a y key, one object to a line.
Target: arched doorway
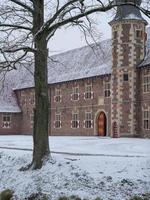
[{"x": 102, "y": 124}]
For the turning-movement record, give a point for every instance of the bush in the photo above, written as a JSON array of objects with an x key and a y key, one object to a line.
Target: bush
[{"x": 6, "y": 194}]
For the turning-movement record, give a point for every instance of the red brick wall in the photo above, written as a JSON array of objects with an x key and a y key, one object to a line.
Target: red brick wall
[{"x": 66, "y": 106}]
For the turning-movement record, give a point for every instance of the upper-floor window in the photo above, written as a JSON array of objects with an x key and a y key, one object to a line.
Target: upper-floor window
[
  {"x": 57, "y": 122},
  {"x": 107, "y": 89},
  {"x": 138, "y": 34},
  {"x": 146, "y": 82},
  {"x": 75, "y": 120},
  {"x": 88, "y": 91},
  {"x": 146, "y": 117},
  {"x": 88, "y": 122},
  {"x": 58, "y": 96},
  {"x": 75, "y": 93},
  {"x": 125, "y": 77},
  {"x": 115, "y": 35},
  {"x": 6, "y": 123}
]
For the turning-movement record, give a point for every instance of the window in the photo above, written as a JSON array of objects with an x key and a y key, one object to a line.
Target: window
[
  {"x": 75, "y": 93},
  {"x": 146, "y": 82},
  {"x": 57, "y": 97},
  {"x": 75, "y": 120},
  {"x": 57, "y": 120},
  {"x": 125, "y": 77},
  {"x": 88, "y": 122},
  {"x": 146, "y": 119},
  {"x": 115, "y": 35},
  {"x": 138, "y": 34},
  {"x": 107, "y": 88},
  {"x": 6, "y": 120},
  {"x": 88, "y": 91}
]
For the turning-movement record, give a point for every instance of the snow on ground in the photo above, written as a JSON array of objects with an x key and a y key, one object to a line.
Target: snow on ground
[{"x": 113, "y": 169}]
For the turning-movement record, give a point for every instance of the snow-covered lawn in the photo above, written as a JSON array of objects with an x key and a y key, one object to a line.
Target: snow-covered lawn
[{"x": 113, "y": 169}]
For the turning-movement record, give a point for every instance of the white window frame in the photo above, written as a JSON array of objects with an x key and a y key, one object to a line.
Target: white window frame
[
  {"x": 146, "y": 121},
  {"x": 57, "y": 119},
  {"x": 88, "y": 120},
  {"x": 107, "y": 89},
  {"x": 146, "y": 82},
  {"x": 6, "y": 123},
  {"x": 75, "y": 120},
  {"x": 57, "y": 95},
  {"x": 75, "y": 92},
  {"x": 88, "y": 94}
]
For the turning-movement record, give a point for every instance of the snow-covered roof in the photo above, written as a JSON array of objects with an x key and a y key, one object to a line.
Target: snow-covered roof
[
  {"x": 88, "y": 61},
  {"x": 128, "y": 12},
  {"x": 146, "y": 60},
  {"x": 8, "y": 101},
  {"x": 85, "y": 62}
]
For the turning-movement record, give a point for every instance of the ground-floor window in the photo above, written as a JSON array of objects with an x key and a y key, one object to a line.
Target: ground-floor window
[
  {"x": 146, "y": 119},
  {"x": 6, "y": 120},
  {"x": 57, "y": 122},
  {"x": 88, "y": 122},
  {"x": 75, "y": 120}
]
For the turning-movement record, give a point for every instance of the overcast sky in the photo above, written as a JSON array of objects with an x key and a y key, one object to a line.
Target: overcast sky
[{"x": 72, "y": 38}]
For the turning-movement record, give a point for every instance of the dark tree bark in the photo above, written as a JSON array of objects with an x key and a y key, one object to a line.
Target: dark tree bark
[{"x": 40, "y": 135}]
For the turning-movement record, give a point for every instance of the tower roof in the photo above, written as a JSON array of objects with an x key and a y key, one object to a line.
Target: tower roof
[{"x": 127, "y": 12}]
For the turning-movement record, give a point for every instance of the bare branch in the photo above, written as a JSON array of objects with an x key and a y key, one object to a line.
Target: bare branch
[{"x": 23, "y": 5}]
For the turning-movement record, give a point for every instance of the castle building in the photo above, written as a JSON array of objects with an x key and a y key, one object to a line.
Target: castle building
[{"x": 97, "y": 90}]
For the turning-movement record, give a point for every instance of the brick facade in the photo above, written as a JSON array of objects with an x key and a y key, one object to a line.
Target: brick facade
[{"x": 123, "y": 95}]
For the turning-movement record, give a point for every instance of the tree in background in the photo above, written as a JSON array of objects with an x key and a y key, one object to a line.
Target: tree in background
[{"x": 26, "y": 26}]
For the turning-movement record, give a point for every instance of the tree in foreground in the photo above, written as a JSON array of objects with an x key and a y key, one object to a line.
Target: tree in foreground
[{"x": 26, "y": 27}]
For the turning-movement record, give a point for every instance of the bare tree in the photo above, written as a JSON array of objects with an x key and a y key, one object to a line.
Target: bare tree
[{"x": 26, "y": 26}]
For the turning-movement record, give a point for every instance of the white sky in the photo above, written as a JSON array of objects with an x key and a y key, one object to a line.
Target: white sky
[{"x": 70, "y": 38}]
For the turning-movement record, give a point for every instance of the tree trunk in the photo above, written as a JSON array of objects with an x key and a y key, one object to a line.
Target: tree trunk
[{"x": 40, "y": 133}]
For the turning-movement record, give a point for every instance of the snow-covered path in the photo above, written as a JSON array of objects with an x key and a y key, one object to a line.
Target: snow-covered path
[
  {"x": 85, "y": 145},
  {"x": 115, "y": 169}
]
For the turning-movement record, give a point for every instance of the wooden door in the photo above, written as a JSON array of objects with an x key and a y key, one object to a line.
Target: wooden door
[{"x": 102, "y": 124}]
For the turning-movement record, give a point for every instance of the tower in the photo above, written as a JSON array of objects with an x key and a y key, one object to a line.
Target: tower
[{"x": 128, "y": 49}]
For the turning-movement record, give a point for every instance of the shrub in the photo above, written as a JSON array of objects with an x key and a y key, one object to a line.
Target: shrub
[
  {"x": 136, "y": 198},
  {"x": 6, "y": 194}
]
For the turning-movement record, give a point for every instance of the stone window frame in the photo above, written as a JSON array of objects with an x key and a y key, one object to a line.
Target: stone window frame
[
  {"x": 146, "y": 82},
  {"x": 75, "y": 93},
  {"x": 88, "y": 122},
  {"x": 107, "y": 88},
  {"x": 125, "y": 76},
  {"x": 146, "y": 120},
  {"x": 75, "y": 120},
  {"x": 57, "y": 96},
  {"x": 88, "y": 94},
  {"x": 6, "y": 120},
  {"x": 138, "y": 33},
  {"x": 57, "y": 122}
]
